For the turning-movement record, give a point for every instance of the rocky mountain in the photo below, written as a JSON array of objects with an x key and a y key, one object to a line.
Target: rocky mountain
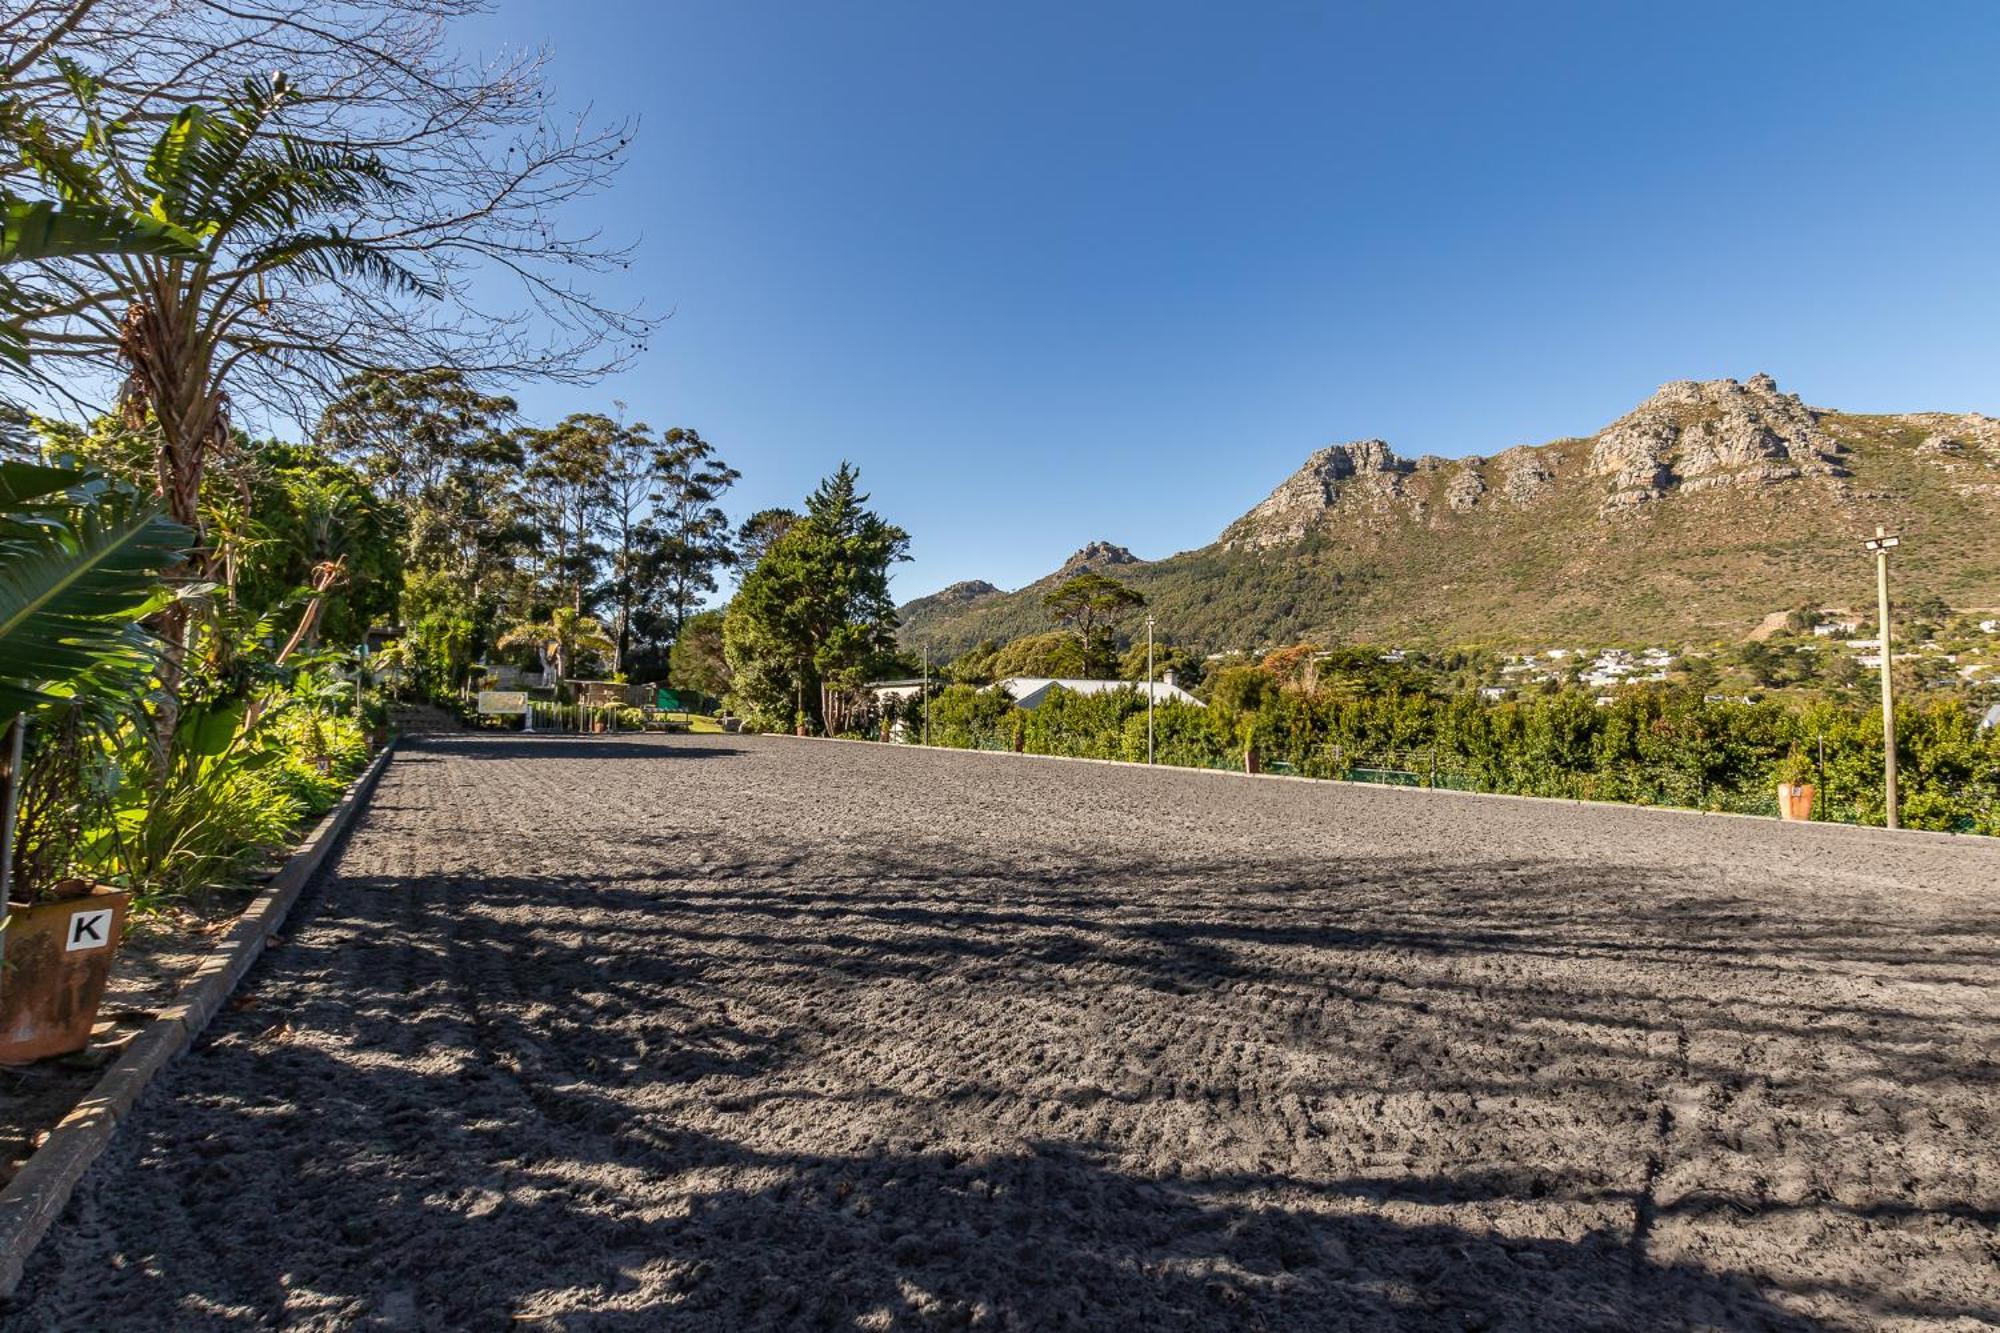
[
  {"x": 1096, "y": 558},
  {"x": 1690, "y": 518}
]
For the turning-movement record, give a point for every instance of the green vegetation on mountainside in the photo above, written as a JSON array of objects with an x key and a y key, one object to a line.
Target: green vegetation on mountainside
[{"x": 1699, "y": 565}]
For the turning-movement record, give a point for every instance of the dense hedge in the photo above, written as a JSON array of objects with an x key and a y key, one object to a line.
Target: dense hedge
[{"x": 1647, "y": 746}]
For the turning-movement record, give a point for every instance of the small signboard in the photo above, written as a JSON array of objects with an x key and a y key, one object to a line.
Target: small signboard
[
  {"x": 668, "y": 702},
  {"x": 89, "y": 930},
  {"x": 599, "y": 693},
  {"x": 493, "y": 703}
]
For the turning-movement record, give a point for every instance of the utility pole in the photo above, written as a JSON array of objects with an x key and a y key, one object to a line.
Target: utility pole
[
  {"x": 1881, "y": 544},
  {"x": 1149, "y": 688},
  {"x": 927, "y": 691}
]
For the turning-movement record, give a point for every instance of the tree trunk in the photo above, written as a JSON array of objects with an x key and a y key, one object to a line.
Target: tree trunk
[{"x": 167, "y": 382}]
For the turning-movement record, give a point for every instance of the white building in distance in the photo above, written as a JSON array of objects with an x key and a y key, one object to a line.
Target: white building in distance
[{"x": 1029, "y": 691}]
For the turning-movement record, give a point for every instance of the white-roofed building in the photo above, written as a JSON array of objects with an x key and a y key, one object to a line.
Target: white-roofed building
[{"x": 1029, "y": 691}]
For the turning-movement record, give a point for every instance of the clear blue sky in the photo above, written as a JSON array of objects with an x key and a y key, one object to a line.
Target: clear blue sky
[{"x": 1050, "y": 272}]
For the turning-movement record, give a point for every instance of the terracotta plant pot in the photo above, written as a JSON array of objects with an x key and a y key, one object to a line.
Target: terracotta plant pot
[
  {"x": 802, "y": 729},
  {"x": 1795, "y": 800},
  {"x": 57, "y": 959}
]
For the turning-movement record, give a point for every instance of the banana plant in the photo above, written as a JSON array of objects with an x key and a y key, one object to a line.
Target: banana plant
[
  {"x": 80, "y": 565},
  {"x": 79, "y": 226}
]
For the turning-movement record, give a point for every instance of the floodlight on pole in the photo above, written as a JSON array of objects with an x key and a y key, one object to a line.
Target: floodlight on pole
[
  {"x": 1881, "y": 544},
  {"x": 1149, "y": 688}
]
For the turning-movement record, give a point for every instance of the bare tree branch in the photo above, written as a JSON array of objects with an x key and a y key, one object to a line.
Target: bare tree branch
[{"x": 491, "y": 175}]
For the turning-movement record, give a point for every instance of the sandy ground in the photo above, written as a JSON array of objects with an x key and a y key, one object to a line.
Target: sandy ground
[
  {"x": 157, "y": 955},
  {"x": 736, "y": 1033}
]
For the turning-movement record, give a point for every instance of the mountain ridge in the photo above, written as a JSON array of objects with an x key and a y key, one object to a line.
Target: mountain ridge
[{"x": 1690, "y": 518}]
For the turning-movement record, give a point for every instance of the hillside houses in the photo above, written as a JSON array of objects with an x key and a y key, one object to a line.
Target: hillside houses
[{"x": 1611, "y": 666}]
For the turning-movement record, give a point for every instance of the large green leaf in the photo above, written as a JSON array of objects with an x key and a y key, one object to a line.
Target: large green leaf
[
  {"x": 71, "y": 591},
  {"x": 41, "y": 229},
  {"x": 22, "y": 482}
]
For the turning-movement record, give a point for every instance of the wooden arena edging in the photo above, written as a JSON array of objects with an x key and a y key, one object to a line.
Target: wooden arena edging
[{"x": 39, "y": 1192}]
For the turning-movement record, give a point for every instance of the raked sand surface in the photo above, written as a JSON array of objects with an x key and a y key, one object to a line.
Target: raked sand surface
[{"x": 738, "y": 1033}]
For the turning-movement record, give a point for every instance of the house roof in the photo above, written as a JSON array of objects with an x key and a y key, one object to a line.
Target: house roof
[{"x": 1028, "y": 691}]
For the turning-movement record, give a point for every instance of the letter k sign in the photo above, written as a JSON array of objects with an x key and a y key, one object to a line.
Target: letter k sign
[{"x": 89, "y": 930}]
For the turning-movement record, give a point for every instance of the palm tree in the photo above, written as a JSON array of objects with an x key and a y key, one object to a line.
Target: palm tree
[
  {"x": 561, "y": 640},
  {"x": 249, "y": 207}
]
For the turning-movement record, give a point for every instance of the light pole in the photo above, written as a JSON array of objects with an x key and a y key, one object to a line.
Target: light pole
[
  {"x": 1881, "y": 544},
  {"x": 1149, "y": 688},
  {"x": 927, "y": 691}
]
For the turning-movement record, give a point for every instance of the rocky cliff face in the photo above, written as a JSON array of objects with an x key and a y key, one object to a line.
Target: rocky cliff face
[
  {"x": 1367, "y": 467},
  {"x": 1692, "y": 435},
  {"x": 1688, "y": 519},
  {"x": 1689, "y": 436},
  {"x": 1964, "y": 445},
  {"x": 953, "y": 599},
  {"x": 1095, "y": 558},
  {"x": 958, "y": 594}
]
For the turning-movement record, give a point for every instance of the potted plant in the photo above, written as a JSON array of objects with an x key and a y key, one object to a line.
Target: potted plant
[
  {"x": 800, "y": 723},
  {"x": 1795, "y": 787},
  {"x": 62, "y": 926},
  {"x": 375, "y": 716}
]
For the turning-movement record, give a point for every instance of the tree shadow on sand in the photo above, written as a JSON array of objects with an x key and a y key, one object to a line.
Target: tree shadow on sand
[{"x": 700, "y": 1091}]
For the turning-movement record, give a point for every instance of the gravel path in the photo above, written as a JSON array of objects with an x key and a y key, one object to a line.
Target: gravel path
[{"x": 733, "y": 1033}]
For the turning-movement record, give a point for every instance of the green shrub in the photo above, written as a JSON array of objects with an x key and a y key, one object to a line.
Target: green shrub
[
  {"x": 1183, "y": 735},
  {"x": 966, "y": 718},
  {"x": 1081, "y": 726},
  {"x": 1648, "y": 745},
  {"x": 222, "y": 802}
]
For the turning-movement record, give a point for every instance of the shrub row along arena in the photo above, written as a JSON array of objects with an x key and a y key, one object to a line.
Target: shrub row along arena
[{"x": 742, "y": 1032}]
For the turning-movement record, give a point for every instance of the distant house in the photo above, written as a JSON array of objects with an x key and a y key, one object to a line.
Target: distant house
[
  {"x": 1991, "y": 720},
  {"x": 883, "y": 690},
  {"x": 1029, "y": 691}
]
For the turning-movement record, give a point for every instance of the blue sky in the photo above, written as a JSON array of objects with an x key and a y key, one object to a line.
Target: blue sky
[{"x": 1056, "y": 272}]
